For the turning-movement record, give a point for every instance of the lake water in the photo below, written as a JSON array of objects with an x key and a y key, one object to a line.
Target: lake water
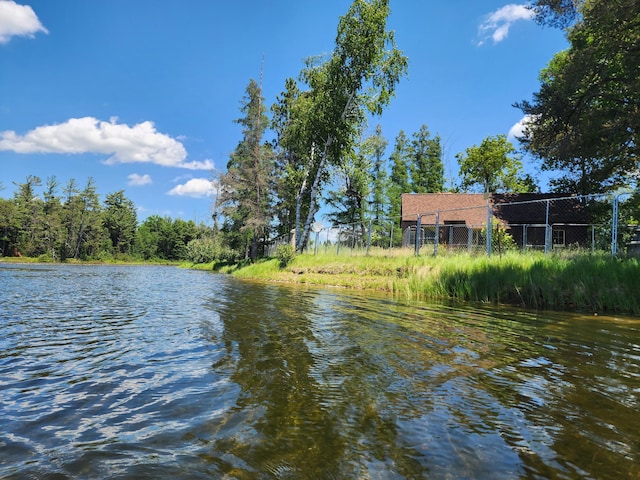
[{"x": 158, "y": 372}]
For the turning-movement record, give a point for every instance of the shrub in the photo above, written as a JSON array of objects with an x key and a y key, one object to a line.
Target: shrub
[
  {"x": 206, "y": 250},
  {"x": 201, "y": 250},
  {"x": 285, "y": 254}
]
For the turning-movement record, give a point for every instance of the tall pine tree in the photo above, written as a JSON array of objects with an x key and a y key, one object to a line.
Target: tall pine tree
[
  {"x": 245, "y": 194},
  {"x": 427, "y": 169}
]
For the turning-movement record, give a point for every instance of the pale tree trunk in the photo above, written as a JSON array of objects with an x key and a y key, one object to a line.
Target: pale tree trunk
[
  {"x": 303, "y": 188},
  {"x": 312, "y": 197},
  {"x": 316, "y": 182}
]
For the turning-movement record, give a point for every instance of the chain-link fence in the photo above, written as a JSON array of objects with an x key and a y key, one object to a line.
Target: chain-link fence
[{"x": 577, "y": 223}]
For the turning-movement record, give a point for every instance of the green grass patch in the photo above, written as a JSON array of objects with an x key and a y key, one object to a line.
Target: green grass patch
[{"x": 586, "y": 282}]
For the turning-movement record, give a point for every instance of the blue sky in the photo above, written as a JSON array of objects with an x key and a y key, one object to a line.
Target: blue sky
[{"x": 141, "y": 95}]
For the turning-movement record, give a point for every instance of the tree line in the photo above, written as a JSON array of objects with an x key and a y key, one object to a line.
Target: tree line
[{"x": 70, "y": 222}]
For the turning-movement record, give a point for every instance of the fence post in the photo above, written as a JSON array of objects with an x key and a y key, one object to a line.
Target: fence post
[
  {"x": 614, "y": 226},
  {"x": 489, "y": 230},
  {"x": 369, "y": 236},
  {"x": 547, "y": 233},
  {"x": 391, "y": 237},
  {"x": 436, "y": 236},
  {"x": 417, "y": 239},
  {"x": 353, "y": 238}
]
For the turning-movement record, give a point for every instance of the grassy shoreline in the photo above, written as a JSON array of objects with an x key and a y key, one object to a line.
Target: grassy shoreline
[{"x": 595, "y": 283}]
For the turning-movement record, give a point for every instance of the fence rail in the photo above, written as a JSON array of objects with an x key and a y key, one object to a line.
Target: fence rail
[{"x": 579, "y": 223}]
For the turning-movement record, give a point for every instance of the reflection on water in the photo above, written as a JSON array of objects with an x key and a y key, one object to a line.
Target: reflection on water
[{"x": 121, "y": 372}]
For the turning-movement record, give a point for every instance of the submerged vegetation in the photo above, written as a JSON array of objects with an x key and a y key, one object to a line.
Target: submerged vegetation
[{"x": 597, "y": 283}]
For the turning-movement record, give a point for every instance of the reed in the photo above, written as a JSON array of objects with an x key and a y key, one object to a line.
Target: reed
[{"x": 587, "y": 282}]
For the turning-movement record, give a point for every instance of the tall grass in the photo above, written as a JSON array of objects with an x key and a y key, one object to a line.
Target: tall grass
[
  {"x": 596, "y": 283},
  {"x": 588, "y": 282}
]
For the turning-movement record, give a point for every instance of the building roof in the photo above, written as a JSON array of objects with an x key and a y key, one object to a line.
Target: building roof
[
  {"x": 469, "y": 208},
  {"x": 513, "y": 209},
  {"x": 531, "y": 208}
]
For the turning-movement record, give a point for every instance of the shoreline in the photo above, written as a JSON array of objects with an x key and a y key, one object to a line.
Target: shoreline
[
  {"x": 584, "y": 282},
  {"x": 579, "y": 282}
]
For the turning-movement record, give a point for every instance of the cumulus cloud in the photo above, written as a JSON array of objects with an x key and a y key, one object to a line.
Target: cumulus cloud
[
  {"x": 497, "y": 24},
  {"x": 136, "y": 180},
  {"x": 517, "y": 130},
  {"x": 196, "y": 188},
  {"x": 140, "y": 143},
  {"x": 18, "y": 21}
]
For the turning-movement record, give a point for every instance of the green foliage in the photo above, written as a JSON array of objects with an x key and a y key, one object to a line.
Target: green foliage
[
  {"x": 245, "y": 194},
  {"x": 596, "y": 283},
  {"x": 375, "y": 147},
  {"x": 427, "y": 169},
  {"x": 206, "y": 250},
  {"x": 357, "y": 78},
  {"x": 74, "y": 226},
  {"x": 492, "y": 167},
  {"x": 202, "y": 250},
  {"x": 583, "y": 122},
  {"x": 165, "y": 238},
  {"x": 120, "y": 221},
  {"x": 501, "y": 240},
  {"x": 557, "y": 13},
  {"x": 285, "y": 255}
]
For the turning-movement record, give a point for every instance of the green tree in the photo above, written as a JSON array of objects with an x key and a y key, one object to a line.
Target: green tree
[
  {"x": 375, "y": 148},
  {"x": 359, "y": 77},
  {"x": 147, "y": 238},
  {"x": 9, "y": 227},
  {"x": 427, "y": 169},
  {"x": 349, "y": 201},
  {"x": 52, "y": 210},
  {"x": 492, "y": 167},
  {"x": 81, "y": 224},
  {"x": 29, "y": 213},
  {"x": 398, "y": 181},
  {"x": 584, "y": 120},
  {"x": 245, "y": 194},
  {"x": 120, "y": 221},
  {"x": 557, "y": 13},
  {"x": 291, "y": 151}
]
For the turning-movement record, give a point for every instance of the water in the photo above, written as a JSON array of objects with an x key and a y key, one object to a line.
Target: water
[{"x": 157, "y": 372}]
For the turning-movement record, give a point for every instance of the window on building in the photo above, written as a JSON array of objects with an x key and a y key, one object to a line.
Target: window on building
[{"x": 559, "y": 237}]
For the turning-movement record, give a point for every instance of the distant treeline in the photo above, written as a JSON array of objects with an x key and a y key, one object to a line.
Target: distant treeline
[{"x": 70, "y": 222}]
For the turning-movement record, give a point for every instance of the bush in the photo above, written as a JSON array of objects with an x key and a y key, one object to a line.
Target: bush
[
  {"x": 285, "y": 254},
  {"x": 206, "y": 250},
  {"x": 201, "y": 250}
]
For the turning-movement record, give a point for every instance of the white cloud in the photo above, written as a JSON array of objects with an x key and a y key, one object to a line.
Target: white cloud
[
  {"x": 136, "y": 180},
  {"x": 18, "y": 20},
  {"x": 517, "y": 130},
  {"x": 196, "y": 188},
  {"x": 497, "y": 24},
  {"x": 140, "y": 143}
]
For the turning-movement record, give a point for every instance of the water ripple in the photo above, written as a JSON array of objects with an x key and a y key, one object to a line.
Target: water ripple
[{"x": 155, "y": 372}]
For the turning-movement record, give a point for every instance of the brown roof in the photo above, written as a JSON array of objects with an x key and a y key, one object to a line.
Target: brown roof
[
  {"x": 523, "y": 208},
  {"x": 510, "y": 208},
  {"x": 453, "y": 207}
]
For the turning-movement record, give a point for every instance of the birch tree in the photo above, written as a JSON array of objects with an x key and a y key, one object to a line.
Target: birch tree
[{"x": 358, "y": 78}]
